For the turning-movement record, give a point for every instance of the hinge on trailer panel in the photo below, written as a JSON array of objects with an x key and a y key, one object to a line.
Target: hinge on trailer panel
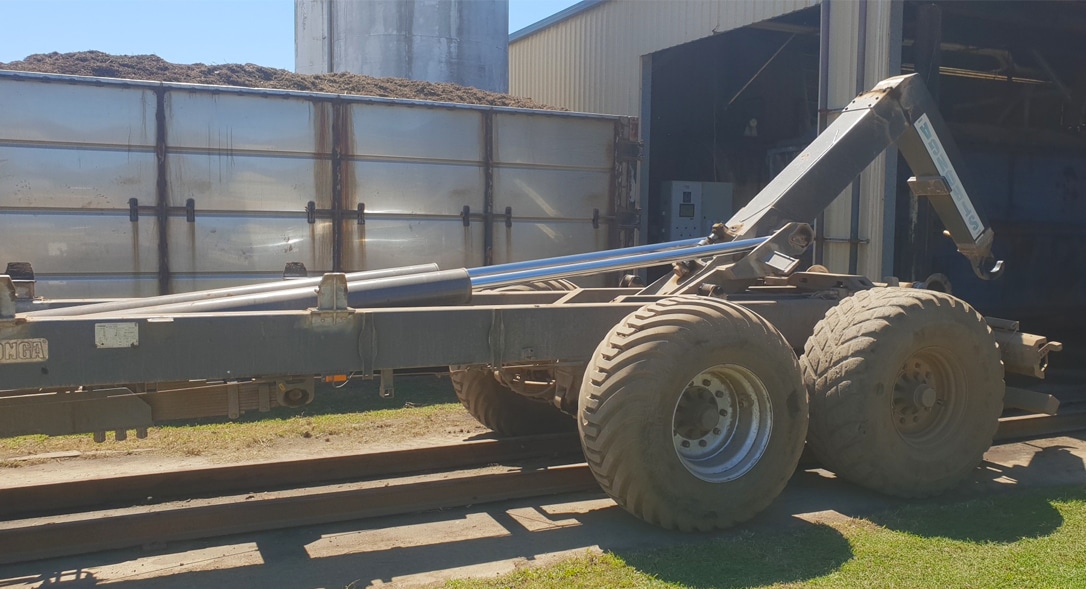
[
  {"x": 465, "y": 216},
  {"x": 628, "y": 219},
  {"x": 133, "y": 210},
  {"x": 361, "y": 213},
  {"x": 595, "y": 218},
  {"x": 508, "y": 216},
  {"x": 294, "y": 270},
  {"x": 22, "y": 276},
  {"x": 190, "y": 210},
  {"x": 628, "y": 150},
  {"x": 311, "y": 212}
]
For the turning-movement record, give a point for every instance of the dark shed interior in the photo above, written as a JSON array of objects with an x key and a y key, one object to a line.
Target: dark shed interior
[{"x": 1010, "y": 79}]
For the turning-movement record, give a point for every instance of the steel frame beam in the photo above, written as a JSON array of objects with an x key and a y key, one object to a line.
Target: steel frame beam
[{"x": 98, "y": 351}]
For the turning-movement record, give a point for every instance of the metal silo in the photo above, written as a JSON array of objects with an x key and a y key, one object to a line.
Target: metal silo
[{"x": 460, "y": 41}]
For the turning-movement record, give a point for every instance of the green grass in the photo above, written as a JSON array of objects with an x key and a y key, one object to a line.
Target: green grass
[{"x": 1033, "y": 538}]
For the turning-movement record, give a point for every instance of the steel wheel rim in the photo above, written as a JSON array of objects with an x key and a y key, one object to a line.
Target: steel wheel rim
[
  {"x": 928, "y": 400},
  {"x": 721, "y": 423}
]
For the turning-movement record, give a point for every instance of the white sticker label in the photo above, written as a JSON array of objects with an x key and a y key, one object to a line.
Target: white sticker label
[
  {"x": 116, "y": 335},
  {"x": 942, "y": 164},
  {"x": 21, "y": 351}
]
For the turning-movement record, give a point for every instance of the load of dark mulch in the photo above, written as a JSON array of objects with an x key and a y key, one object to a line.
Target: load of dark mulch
[{"x": 154, "y": 68}]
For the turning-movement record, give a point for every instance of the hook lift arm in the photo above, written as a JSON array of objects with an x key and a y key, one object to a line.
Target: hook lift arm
[{"x": 900, "y": 111}]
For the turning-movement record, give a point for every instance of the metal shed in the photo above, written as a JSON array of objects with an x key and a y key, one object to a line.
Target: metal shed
[
  {"x": 599, "y": 55},
  {"x": 1010, "y": 78}
]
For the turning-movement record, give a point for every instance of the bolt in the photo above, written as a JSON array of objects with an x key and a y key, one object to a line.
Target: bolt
[
  {"x": 686, "y": 444},
  {"x": 701, "y": 443},
  {"x": 720, "y": 394},
  {"x": 705, "y": 382},
  {"x": 723, "y": 412},
  {"x": 716, "y": 430}
]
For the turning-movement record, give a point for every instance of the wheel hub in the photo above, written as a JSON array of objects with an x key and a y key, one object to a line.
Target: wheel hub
[
  {"x": 721, "y": 423},
  {"x": 923, "y": 395},
  {"x": 699, "y": 412}
]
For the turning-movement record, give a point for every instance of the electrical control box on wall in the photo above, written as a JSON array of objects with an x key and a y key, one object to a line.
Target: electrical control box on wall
[{"x": 691, "y": 208}]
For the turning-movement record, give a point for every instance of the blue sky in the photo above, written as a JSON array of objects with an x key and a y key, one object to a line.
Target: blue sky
[{"x": 181, "y": 31}]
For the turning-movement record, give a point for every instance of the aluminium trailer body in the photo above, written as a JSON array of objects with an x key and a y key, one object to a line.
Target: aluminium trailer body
[
  {"x": 693, "y": 396},
  {"x": 126, "y": 188}
]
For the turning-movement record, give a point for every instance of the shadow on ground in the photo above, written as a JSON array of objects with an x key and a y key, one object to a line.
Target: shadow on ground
[
  {"x": 805, "y": 552},
  {"x": 287, "y": 562},
  {"x": 976, "y": 521},
  {"x": 764, "y": 551}
]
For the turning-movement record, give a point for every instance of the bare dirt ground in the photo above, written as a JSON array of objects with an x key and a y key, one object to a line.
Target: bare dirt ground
[
  {"x": 154, "y": 68},
  {"x": 341, "y": 420},
  {"x": 394, "y": 434}
]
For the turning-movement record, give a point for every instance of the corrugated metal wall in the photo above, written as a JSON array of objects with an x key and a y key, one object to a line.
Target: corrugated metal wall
[{"x": 591, "y": 62}]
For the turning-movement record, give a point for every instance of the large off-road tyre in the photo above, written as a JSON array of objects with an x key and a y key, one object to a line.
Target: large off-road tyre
[
  {"x": 906, "y": 389},
  {"x": 692, "y": 413},
  {"x": 497, "y": 406},
  {"x": 500, "y": 409}
]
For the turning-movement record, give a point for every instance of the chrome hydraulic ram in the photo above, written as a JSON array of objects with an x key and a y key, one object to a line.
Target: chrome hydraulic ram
[
  {"x": 578, "y": 258},
  {"x": 491, "y": 279},
  {"x": 222, "y": 293},
  {"x": 444, "y": 287}
]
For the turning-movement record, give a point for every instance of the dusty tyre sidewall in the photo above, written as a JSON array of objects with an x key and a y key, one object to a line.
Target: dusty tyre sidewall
[
  {"x": 862, "y": 443},
  {"x": 501, "y": 409},
  {"x": 654, "y": 484},
  {"x": 555, "y": 284}
]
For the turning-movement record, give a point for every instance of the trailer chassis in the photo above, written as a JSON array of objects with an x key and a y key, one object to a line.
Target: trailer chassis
[{"x": 692, "y": 396}]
